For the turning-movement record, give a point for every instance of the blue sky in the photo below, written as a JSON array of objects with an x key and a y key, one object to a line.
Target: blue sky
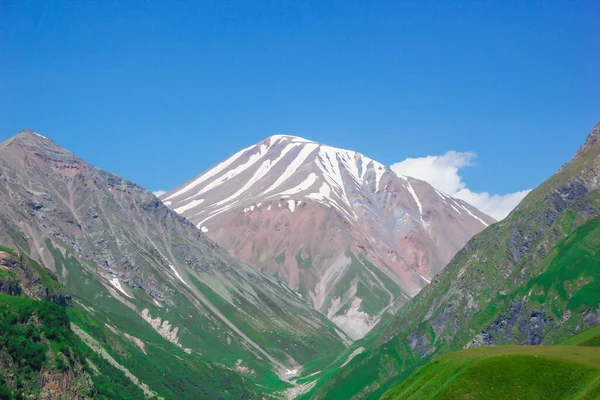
[{"x": 159, "y": 91}]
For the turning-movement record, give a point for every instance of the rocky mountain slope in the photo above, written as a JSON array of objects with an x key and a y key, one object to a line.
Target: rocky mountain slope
[
  {"x": 154, "y": 281},
  {"x": 532, "y": 278},
  {"x": 339, "y": 228}
]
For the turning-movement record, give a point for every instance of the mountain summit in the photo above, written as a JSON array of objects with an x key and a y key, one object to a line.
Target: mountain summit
[{"x": 341, "y": 229}]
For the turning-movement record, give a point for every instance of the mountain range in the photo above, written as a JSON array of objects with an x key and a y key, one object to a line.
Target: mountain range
[
  {"x": 346, "y": 233},
  {"x": 292, "y": 270}
]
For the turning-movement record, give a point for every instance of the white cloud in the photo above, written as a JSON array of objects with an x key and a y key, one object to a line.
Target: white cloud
[
  {"x": 442, "y": 172},
  {"x": 159, "y": 193}
]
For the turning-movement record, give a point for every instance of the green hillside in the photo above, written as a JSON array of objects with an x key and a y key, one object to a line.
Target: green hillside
[
  {"x": 589, "y": 337},
  {"x": 515, "y": 372},
  {"x": 565, "y": 371}
]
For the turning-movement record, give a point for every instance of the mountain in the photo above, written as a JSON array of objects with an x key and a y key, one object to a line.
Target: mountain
[
  {"x": 339, "y": 228},
  {"x": 147, "y": 287},
  {"x": 532, "y": 278}
]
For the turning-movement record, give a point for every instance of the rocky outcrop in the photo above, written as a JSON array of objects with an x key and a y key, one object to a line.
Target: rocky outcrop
[
  {"x": 10, "y": 286},
  {"x": 73, "y": 384},
  {"x": 28, "y": 279}
]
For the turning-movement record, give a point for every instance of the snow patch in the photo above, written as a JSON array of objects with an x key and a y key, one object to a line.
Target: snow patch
[
  {"x": 259, "y": 174},
  {"x": 293, "y": 166},
  {"x": 353, "y": 322},
  {"x": 330, "y": 165},
  {"x": 163, "y": 328},
  {"x": 351, "y": 356},
  {"x": 210, "y": 173},
  {"x": 324, "y": 193},
  {"x": 473, "y": 215},
  {"x": 217, "y": 212},
  {"x": 188, "y": 206},
  {"x": 307, "y": 183},
  {"x": 441, "y": 194},
  {"x": 379, "y": 171},
  {"x": 295, "y": 139},
  {"x": 178, "y": 276},
  {"x": 291, "y": 205},
  {"x": 414, "y": 195},
  {"x": 456, "y": 209},
  {"x": 115, "y": 282}
]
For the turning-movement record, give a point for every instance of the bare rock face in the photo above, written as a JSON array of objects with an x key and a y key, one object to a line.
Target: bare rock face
[
  {"x": 294, "y": 208},
  {"x": 24, "y": 277}
]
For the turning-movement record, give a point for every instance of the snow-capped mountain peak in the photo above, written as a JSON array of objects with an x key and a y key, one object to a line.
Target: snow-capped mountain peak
[{"x": 286, "y": 203}]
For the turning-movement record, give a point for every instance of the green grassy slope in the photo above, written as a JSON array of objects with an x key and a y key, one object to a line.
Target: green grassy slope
[
  {"x": 529, "y": 279},
  {"x": 515, "y": 372},
  {"x": 589, "y": 337},
  {"x": 565, "y": 371}
]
